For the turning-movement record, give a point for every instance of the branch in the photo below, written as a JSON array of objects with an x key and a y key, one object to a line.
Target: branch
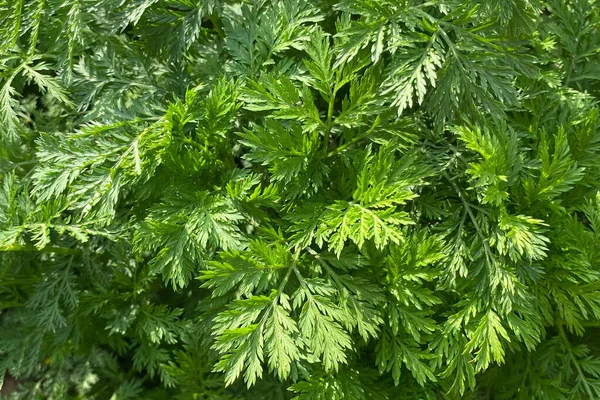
[
  {"x": 47, "y": 249},
  {"x": 355, "y": 139}
]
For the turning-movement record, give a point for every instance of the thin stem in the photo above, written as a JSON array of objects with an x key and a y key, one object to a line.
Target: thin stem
[
  {"x": 47, "y": 249},
  {"x": 193, "y": 143},
  {"x": 355, "y": 139},
  {"x": 594, "y": 324},
  {"x": 317, "y": 257},
  {"x": 327, "y": 268},
  {"x": 329, "y": 123},
  {"x": 23, "y": 163},
  {"x": 589, "y": 324},
  {"x": 280, "y": 289},
  {"x": 526, "y": 374},
  {"x": 575, "y": 56},
  {"x": 467, "y": 206},
  {"x": 330, "y": 110},
  {"x": 283, "y": 283},
  {"x": 12, "y": 304},
  {"x": 457, "y": 153},
  {"x": 17, "y": 281},
  {"x": 563, "y": 335}
]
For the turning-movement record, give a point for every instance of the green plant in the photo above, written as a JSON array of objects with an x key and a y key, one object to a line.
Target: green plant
[{"x": 367, "y": 199}]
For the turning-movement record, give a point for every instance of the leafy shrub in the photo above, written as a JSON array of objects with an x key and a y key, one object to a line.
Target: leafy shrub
[{"x": 367, "y": 199}]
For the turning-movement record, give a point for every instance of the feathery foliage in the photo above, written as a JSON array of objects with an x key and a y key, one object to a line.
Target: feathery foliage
[{"x": 315, "y": 200}]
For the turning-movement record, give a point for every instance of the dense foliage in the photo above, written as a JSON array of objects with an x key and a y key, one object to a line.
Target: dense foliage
[{"x": 370, "y": 199}]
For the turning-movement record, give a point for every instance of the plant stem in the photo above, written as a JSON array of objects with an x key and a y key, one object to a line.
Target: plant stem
[
  {"x": 216, "y": 21},
  {"x": 586, "y": 385},
  {"x": 355, "y": 139},
  {"x": 47, "y": 249}
]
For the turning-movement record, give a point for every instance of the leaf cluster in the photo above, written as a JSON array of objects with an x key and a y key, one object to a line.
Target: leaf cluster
[{"x": 315, "y": 200}]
